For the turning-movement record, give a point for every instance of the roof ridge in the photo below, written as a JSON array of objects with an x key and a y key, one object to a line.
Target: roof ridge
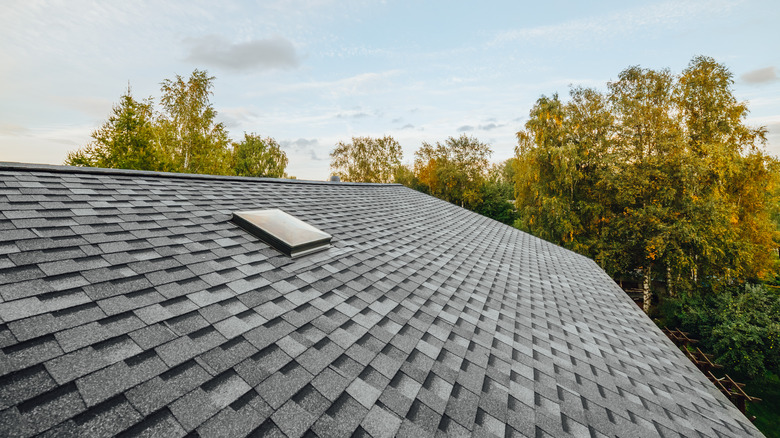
[{"x": 53, "y": 168}]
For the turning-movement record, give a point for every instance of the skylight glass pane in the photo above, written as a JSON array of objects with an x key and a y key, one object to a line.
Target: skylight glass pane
[{"x": 283, "y": 231}]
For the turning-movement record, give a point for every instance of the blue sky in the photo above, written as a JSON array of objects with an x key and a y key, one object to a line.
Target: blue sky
[{"x": 312, "y": 73}]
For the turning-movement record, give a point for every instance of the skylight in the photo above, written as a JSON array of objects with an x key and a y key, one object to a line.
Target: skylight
[{"x": 283, "y": 231}]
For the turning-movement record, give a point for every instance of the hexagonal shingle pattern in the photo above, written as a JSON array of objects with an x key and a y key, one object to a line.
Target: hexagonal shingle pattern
[{"x": 129, "y": 303}]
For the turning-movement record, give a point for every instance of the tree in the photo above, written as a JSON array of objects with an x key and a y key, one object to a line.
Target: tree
[
  {"x": 648, "y": 146},
  {"x": 183, "y": 138},
  {"x": 658, "y": 176},
  {"x": 458, "y": 171},
  {"x": 545, "y": 174},
  {"x": 404, "y": 174},
  {"x": 732, "y": 170},
  {"x": 127, "y": 140},
  {"x": 740, "y": 326},
  {"x": 453, "y": 170},
  {"x": 366, "y": 159},
  {"x": 257, "y": 156},
  {"x": 192, "y": 138},
  {"x": 497, "y": 193},
  {"x": 562, "y": 159}
]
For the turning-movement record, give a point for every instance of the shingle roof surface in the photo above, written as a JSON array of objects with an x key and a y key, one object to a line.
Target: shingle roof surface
[{"x": 129, "y": 303}]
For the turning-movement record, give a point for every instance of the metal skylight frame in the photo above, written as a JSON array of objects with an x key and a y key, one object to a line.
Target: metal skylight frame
[{"x": 283, "y": 231}]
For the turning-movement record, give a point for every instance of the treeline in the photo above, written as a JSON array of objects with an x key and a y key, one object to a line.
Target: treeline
[
  {"x": 181, "y": 137},
  {"x": 457, "y": 170},
  {"x": 659, "y": 175},
  {"x": 660, "y": 180}
]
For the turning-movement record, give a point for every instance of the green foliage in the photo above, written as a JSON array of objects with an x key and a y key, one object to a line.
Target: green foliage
[
  {"x": 746, "y": 337},
  {"x": 127, "y": 140},
  {"x": 496, "y": 195},
  {"x": 454, "y": 170},
  {"x": 562, "y": 159},
  {"x": 190, "y": 135},
  {"x": 366, "y": 159},
  {"x": 659, "y": 176},
  {"x": 494, "y": 205},
  {"x": 405, "y": 175},
  {"x": 502, "y": 177},
  {"x": 767, "y": 411},
  {"x": 184, "y": 137},
  {"x": 741, "y": 326},
  {"x": 458, "y": 171},
  {"x": 257, "y": 156}
]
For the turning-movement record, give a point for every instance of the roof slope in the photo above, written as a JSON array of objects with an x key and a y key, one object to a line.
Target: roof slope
[{"x": 130, "y": 303}]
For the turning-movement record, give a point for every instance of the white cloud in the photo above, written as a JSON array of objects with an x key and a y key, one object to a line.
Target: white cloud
[
  {"x": 348, "y": 86},
  {"x": 12, "y": 129},
  {"x": 619, "y": 23},
  {"x": 237, "y": 117},
  {"x": 353, "y": 115},
  {"x": 47, "y": 145},
  {"x": 308, "y": 148},
  {"x": 301, "y": 142},
  {"x": 760, "y": 76},
  {"x": 258, "y": 54}
]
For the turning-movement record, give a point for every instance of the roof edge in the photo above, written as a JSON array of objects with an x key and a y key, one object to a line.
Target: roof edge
[{"x": 53, "y": 168}]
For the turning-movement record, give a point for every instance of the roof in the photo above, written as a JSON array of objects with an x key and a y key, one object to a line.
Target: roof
[{"x": 130, "y": 303}]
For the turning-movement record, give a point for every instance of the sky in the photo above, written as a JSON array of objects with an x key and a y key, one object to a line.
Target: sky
[{"x": 311, "y": 73}]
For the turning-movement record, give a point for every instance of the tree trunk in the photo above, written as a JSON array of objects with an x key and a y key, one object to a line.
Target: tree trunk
[
  {"x": 669, "y": 285},
  {"x": 646, "y": 293}
]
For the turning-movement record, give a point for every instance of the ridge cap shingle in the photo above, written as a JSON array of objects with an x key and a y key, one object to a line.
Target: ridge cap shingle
[{"x": 55, "y": 168}]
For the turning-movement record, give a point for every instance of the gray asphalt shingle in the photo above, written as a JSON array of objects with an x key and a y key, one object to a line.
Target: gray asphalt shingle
[{"x": 130, "y": 304}]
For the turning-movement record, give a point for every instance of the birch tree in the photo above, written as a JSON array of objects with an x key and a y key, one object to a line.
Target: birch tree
[{"x": 366, "y": 159}]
